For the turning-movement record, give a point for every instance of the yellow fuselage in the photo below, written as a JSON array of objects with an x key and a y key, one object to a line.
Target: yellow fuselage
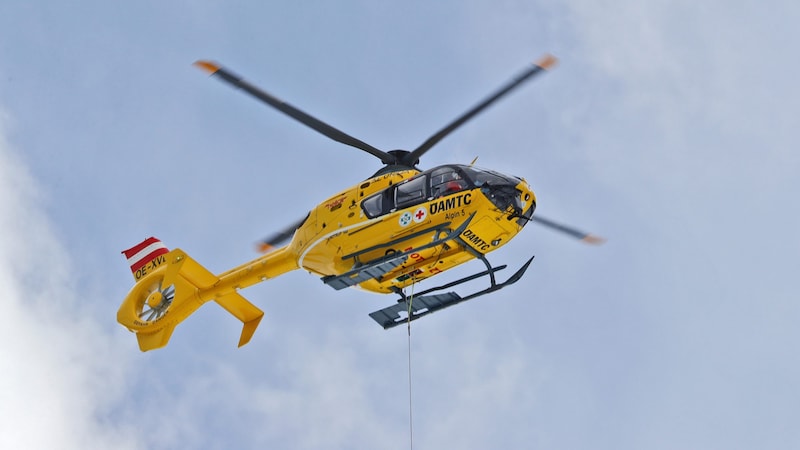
[{"x": 338, "y": 234}]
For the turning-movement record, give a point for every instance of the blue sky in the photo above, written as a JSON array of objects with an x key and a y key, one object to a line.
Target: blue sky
[{"x": 668, "y": 127}]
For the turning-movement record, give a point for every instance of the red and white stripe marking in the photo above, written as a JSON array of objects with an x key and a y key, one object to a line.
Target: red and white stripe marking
[{"x": 141, "y": 254}]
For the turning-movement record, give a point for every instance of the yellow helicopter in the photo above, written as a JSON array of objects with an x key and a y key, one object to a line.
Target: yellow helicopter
[{"x": 398, "y": 227}]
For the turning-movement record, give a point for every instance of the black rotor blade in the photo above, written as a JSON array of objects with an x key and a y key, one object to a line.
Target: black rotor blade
[
  {"x": 291, "y": 111},
  {"x": 277, "y": 239},
  {"x": 545, "y": 63},
  {"x": 585, "y": 237}
]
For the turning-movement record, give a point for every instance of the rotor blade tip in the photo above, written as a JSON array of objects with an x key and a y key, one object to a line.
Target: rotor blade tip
[
  {"x": 592, "y": 239},
  {"x": 264, "y": 247},
  {"x": 208, "y": 66},
  {"x": 547, "y": 62}
]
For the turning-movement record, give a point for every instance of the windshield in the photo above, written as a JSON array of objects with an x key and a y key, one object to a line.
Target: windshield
[{"x": 481, "y": 177}]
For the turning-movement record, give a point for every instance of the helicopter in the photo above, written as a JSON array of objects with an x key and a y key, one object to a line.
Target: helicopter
[{"x": 400, "y": 226}]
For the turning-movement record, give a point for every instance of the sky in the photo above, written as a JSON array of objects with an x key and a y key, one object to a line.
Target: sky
[{"x": 668, "y": 127}]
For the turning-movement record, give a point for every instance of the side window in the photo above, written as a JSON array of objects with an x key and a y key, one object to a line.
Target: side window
[
  {"x": 411, "y": 192},
  {"x": 373, "y": 205}
]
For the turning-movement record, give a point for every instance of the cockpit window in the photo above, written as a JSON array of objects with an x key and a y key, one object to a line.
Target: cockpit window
[{"x": 445, "y": 181}]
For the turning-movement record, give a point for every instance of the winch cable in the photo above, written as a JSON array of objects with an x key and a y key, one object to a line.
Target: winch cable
[{"x": 410, "y": 402}]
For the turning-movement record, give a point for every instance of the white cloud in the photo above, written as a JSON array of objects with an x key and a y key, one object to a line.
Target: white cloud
[{"x": 60, "y": 376}]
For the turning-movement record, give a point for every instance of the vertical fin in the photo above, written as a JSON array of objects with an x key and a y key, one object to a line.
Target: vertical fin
[{"x": 158, "y": 339}]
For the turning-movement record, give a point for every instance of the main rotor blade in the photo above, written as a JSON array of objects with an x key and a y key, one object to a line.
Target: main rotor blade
[
  {"x": 277, "y": 239},
  {"x": 312, "y": 122},
  {"x": 585, "y": 237},
  {"x": 546, "y": 62}
]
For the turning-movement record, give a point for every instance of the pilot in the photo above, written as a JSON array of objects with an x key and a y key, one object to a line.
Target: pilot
[{"x": 451, "y": 182}]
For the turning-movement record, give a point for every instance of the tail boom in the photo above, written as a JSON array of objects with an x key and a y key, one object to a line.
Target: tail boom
[{"x": 169, "y": 293}]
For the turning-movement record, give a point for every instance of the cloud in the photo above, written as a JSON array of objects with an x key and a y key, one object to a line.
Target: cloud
[
  {"x": 60, "y": 377},
  {"x": 701, "y": 93}
]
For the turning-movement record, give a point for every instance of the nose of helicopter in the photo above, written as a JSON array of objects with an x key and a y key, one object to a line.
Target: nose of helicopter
[{"x": 526, "y": 200}]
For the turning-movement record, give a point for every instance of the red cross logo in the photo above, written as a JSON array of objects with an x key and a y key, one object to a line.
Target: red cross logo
[{"x": 420, "y": 214}]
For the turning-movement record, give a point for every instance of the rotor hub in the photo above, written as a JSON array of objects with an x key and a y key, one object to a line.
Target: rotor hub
[{"x": 154, "y": 299}]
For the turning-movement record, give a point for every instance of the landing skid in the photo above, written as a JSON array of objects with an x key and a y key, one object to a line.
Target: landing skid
[{"x": 423, "y": 304}]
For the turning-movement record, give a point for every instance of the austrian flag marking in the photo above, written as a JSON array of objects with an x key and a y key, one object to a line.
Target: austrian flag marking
[{"x": 141, "y": 254}]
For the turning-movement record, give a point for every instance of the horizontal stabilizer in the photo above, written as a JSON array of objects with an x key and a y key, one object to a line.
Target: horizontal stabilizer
[{"x": 243, "y": 310}]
